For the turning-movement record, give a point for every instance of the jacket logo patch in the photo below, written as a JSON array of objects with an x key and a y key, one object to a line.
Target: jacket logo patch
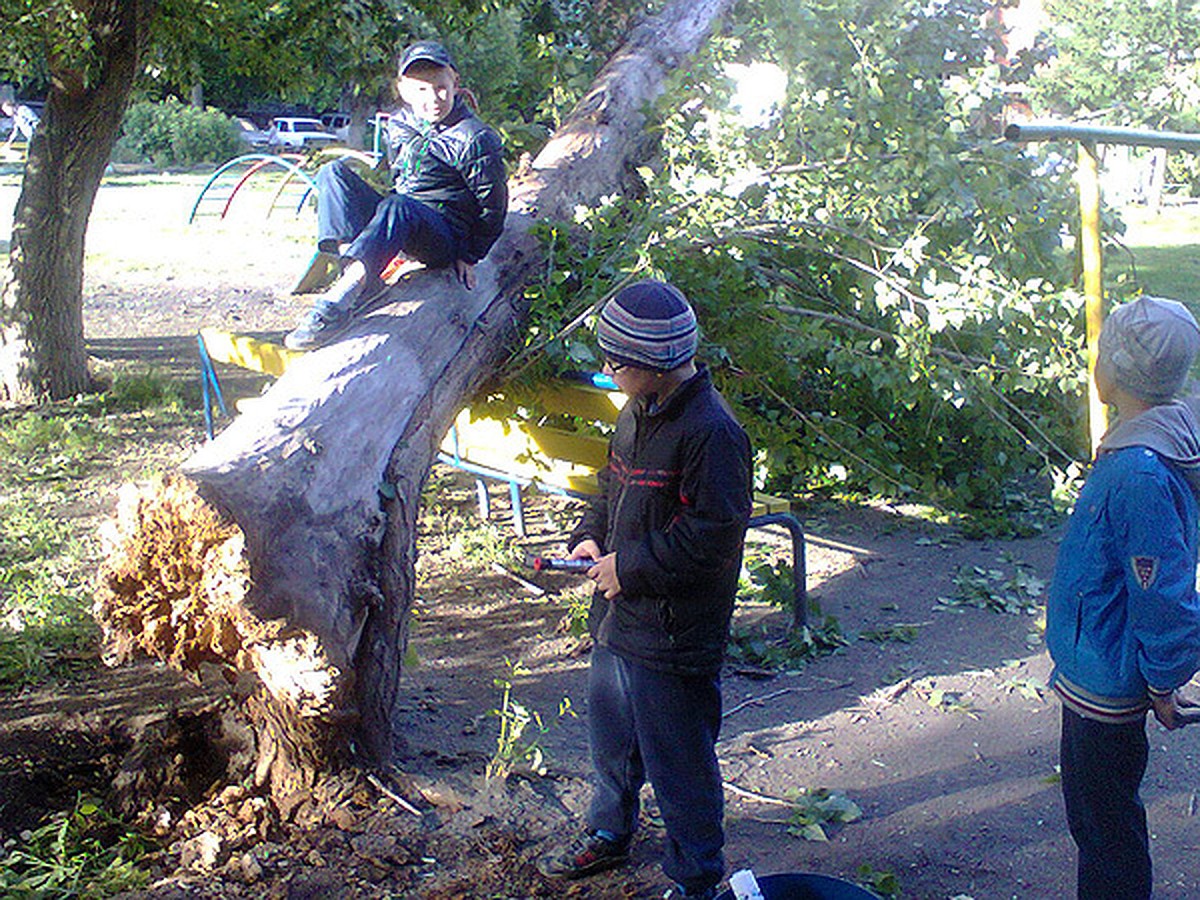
[{"x": 1145, "y": 569}]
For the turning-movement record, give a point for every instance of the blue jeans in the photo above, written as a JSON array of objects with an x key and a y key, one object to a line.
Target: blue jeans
[
  {"x": 1102, "y": 769},
  {"x": 641, "y": 723},
  {"x": 379, "y": 226}
]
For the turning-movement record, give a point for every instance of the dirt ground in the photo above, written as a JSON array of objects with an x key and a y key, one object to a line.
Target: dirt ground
[{"x": 946, "y": 741}]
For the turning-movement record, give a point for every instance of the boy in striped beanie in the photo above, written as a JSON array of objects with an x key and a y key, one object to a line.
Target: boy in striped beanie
[
  {"x": 665, "y": 536},
  {"x": 1123, "y": 617}
]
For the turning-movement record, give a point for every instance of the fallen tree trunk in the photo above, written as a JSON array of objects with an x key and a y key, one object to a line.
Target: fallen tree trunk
[{"x": 287, "y": 547}]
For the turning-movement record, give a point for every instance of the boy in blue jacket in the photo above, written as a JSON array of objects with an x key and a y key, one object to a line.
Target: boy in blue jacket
[
  {"x": 665, "y": 537},
  {"x": 1123, "y": 617}
]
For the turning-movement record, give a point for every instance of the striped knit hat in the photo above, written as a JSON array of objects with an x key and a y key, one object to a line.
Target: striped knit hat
[{"x": 649, "y": 325}]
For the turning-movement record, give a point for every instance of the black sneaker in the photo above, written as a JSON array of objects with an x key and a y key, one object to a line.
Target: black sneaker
[
  {"x": 587, "y": 854},
  {"x": 319, "y": 326}
]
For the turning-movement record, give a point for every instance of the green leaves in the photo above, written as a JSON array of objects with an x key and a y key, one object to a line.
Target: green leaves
[
  {"x": 1130, "y": 60},
  {"x": 85, "y": 852},
  {"x": 877, "y": 281},
  {"x": 814, "y": 810},
  {"x": 996, "y": 589},
  {"x": 518, "y": 743}
]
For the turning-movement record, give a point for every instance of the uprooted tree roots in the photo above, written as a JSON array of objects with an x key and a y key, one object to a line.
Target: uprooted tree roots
[{"x": 176, "y": 585}]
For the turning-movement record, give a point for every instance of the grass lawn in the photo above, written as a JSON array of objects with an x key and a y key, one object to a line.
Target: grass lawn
[{"x": 1160, "y": 253}]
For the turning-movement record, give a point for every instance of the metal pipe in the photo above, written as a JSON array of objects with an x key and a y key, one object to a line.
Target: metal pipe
[
  {"x": 1097, "y": 134},
  {"x": 799, "y": 564},
  {"x": 1090, "y": 254}
]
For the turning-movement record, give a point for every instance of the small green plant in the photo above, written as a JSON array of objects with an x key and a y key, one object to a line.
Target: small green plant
[
  {"x": 899, "y": 633},
  {"x": 771, "y": 582},
  {"x": 518, "y": 743},
  {"x": 143, "y": 391},
  {"x": 810, "y": 641},
  {"x": 995, "y": 589},
  {"x": 33, "y": 654},
  {"x": 879, "y": 881},
  {"x": 815, "y": 809},
  {"x": 483, "y": 544},
  {"x": 84, "y": 852},
  {"x": 575, "y": 620}
]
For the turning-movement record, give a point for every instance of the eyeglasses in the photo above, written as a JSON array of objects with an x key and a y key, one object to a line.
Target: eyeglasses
[{"x": 615, "y": 367}]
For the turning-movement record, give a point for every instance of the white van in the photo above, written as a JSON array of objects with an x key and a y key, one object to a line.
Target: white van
[{"x": 299, "y": 134}]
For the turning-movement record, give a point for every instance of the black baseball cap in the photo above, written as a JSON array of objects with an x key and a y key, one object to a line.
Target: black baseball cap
[{"x": 426, "y": 51}]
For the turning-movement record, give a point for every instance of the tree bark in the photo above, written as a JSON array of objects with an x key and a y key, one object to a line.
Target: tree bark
[
  {"x": 41, "y": 304},
  {"x": 318, "y": 487}
]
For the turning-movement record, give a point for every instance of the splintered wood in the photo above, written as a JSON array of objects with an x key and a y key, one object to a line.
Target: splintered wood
[
  {"x": 173, "y": 580},
  {"x": 174, "y": 584}
]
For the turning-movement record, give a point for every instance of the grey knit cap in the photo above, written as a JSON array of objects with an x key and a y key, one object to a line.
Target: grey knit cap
[
  {"x": 649, "y": 325},
  {"x": 1148, "y": 346}
]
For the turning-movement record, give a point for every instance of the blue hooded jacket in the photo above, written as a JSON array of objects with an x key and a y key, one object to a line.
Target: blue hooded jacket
[{"x": 1123, "y": 616}]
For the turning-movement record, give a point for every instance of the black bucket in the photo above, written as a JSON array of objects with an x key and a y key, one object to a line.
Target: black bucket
[{"x": 806, "y": 886}]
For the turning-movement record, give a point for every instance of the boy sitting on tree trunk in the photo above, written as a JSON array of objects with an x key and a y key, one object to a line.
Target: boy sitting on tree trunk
[{"x": 446, "y": 209}]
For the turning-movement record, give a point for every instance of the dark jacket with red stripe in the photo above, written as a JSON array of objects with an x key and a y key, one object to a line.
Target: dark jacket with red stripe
[{"x": 675, "y": 500}]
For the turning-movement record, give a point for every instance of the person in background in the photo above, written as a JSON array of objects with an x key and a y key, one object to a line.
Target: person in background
[
  {"x": 446, "y": 208},
  {"x": 665, "y": 536},
  {"x": 24, "y": 121},
  {"x": 1123, "y": 617}
]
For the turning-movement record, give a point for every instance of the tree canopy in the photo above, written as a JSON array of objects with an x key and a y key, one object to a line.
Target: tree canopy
[
  {"x": 879, "y": 281},
  {"x": 1132, "y": 61}
]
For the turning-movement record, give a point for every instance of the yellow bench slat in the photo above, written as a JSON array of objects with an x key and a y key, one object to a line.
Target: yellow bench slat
[
  {"x": 583, "y": 400},
  {"x": 247, "y": 352}
]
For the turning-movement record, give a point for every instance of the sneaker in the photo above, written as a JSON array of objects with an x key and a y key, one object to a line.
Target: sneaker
[
  {"x": 319, "y": 326},
  {"x": 587, "y": 854}
]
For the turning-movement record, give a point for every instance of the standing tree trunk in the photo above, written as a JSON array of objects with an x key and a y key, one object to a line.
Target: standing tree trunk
[
  {"x": 289, "y": 549},
  {"x": 41, "y": 306}
]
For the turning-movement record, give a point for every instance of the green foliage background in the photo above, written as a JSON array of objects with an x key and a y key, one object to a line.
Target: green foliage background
[
  {"x": 880, "y": 284},
  {"x": 172, "y": 134},
  {"x": 1132, "y": 62}
]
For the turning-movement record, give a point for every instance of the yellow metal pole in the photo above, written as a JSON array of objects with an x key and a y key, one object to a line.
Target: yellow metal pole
[{"x": 1093, "y": 286}]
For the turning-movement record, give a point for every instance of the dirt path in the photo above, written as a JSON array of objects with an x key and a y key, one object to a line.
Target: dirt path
[
  {"x": 937, "y": 727},
  {"x": 947, "y": 743}
]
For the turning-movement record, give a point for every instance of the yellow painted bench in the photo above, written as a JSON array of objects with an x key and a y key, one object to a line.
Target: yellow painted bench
[
  {"x": 518, "y": 451},
  {"x": 14, "y": 153},
  {"x": 524, "y": 452}
]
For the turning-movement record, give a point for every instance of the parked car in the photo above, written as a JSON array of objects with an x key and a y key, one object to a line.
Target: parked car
[
  {"x": 256, "y": 137},
  {"x": 299, "y": 134},
  {"x": 337, "y": 124}
]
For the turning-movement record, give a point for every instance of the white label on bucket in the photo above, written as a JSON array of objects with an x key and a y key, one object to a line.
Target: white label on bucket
[{"x": 744, "y": 885}]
